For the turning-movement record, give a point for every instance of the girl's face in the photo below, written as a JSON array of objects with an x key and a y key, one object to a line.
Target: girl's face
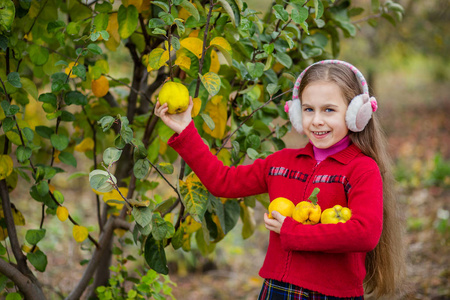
[{"x": 323, "y": 114}]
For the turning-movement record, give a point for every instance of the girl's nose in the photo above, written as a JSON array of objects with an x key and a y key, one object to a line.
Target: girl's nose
[{"x": 318, "y": 120}]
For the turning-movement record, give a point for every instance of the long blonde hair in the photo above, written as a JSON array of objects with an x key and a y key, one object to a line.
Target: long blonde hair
[{"x": 384, "y": 264}]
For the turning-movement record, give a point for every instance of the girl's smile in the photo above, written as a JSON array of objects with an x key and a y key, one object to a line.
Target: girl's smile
[{"x": 323, "y": 114}]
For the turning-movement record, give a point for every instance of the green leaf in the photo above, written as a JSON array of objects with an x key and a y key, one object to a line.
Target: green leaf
[
  {"x": 252, "y": 153},
  {"x": 255, "y": 70},
  {"x": 142, "y": 215},
  {"x": 248, "y": 220},
  {"x": 272, "y": 88},
  {"x": 165, "y": 168},
  {"x": 318, "y": 8},
  {"x": 227, "y": 7},
  {"x": 162, "y": 5},
  {"x": 111, "y": 155},
  {"x": 94, "y": 48},
  {"x": 313, "y": 196},
  {"x": 68, "y": 159},
  {"x": 73, "y": 28},
  {"x": 38, "y": 55},
  {"x": 23, "y": 153},
  {"x": 283, "y": 58},
  {"x": 14, "y": 79},
  {"x": 195, "y": 196},
  {"x": 33, "y": 236},
  {"x": 80, "y": 71},
  {"x": 106, "y": 122},
  {"x": 281, "y": 13},
  {"x": 13, "y": 296},
  {"x": 7, "y": 13},
  {"x": 141, "y": 168},
  {"x": 48, "y": 98},
  {"x": 209, "y": 121},
  {"x": 299, "y": 14},
  {"x": 155, "y": 256},
  {"x": 211, "y": 81},
  {"x": 8, "y": 124},
  {"x": 38, "y": 259},
  {"x": 191, "y": 9},
  {"x": 231, "y": 211},
  {"x": 128, "y": 18},
  {"x": 103, "y": 7},
  {"x": 44, "y": 131},
  {"x": 42, "y": 188},
  {"x": 160, "y": 228},
  {"x": 375, "y": 5},
  {"x": 75, "y": 97},
  {"x": 30, "y": 87},
  {"x": 59, "y": 141}
]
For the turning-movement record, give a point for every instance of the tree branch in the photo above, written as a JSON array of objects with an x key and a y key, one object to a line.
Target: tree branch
[
  {"x": 93, "y": 263},
  {"x": 30, "y": 290}
]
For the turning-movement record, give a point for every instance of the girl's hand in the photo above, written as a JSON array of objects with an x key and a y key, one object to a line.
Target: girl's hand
[
  {"x": 275, "y": 223},
  {"x": 176, "y": 122}
]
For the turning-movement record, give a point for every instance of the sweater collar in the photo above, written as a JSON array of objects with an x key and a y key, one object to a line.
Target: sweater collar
[{"x": 345, "y": 156}]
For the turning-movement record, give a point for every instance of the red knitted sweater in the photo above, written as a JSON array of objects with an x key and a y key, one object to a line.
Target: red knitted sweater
[{"x": 327, "y": 258}]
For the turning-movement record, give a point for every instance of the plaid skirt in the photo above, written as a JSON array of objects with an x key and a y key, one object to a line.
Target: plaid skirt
[{"x": 277, "y": 290}]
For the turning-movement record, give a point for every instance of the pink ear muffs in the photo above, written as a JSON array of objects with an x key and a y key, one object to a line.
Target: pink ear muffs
[{"x": 359, "y": 111}]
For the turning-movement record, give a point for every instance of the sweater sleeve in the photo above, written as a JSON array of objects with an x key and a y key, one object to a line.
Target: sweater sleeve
[
  {"x": 220, "y": 180},
  {"x": 359, "y": 234}
]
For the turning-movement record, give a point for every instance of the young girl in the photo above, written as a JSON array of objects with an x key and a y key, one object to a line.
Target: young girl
[{"x": 346, "y": 159}]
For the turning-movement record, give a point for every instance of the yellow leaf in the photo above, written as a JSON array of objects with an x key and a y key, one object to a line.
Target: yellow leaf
[
  {"x": 191, "y": 225},
  {"x": 221, "y": 43},
  {"x": 183, "y": 60},
  {"x": 158, "y": 58},
  {"x": 215, "y": 63},
  {"x": 86, "y": 145},
  {"x": 114, "y": 195},
  {"x": 62, "y": 213},
  {"x": 162, "y": 147},
  {"x": 211, "y": 81},
  {"x": 120, "y": 232},
  {"x": 197, "y": 107},
  {"x": 6, "y": 166},
  {"x": 113, "y": 27},
  {"x": 183, "y": 14},
  {"x": 97, "y": 192},
  {"x": 216, "y": 108},
  {"x": 224, "y": 156},
  {"x": 27, "y": 249},
  {"x": 113, "y": 30},
  {"x": 195, "y": 196},
  {"x": 136, "y": 3},
  {"x": 194, "y": 33},
  {"x": 80, "y": 233},
  {"x": 69, "y": 69},
  {"x": 194, "y": 45},
  {"x": 56, "y": 156},
  {"x": 3, "y": 234},
  {"x": 51, "y": 188},
  {"x": 17, "y": 216}
]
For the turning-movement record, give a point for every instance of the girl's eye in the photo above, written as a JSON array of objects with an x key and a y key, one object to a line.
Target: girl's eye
[
  {"x": 329, "y": 110},
  {"x": 307, "y": 109}
]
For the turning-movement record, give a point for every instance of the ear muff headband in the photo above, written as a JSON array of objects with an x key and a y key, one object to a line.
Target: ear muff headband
[{"x": 359, "y": 111}]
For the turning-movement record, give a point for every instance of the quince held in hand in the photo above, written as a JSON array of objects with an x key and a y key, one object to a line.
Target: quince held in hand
[
  {"x": 336, "y": 214},
  {"x": 176, "y": 95},
  {"x": 282, "y": 205},
  {"x": 307, "y": 212}
]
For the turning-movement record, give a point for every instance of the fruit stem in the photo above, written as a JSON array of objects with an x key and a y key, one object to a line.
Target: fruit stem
[{"x": 313, "y": 197}]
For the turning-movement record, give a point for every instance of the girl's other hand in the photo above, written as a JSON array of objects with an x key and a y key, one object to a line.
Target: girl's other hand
[
  {"x": 176, "y": 122},
  {"x": 275, "y": 223}
]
